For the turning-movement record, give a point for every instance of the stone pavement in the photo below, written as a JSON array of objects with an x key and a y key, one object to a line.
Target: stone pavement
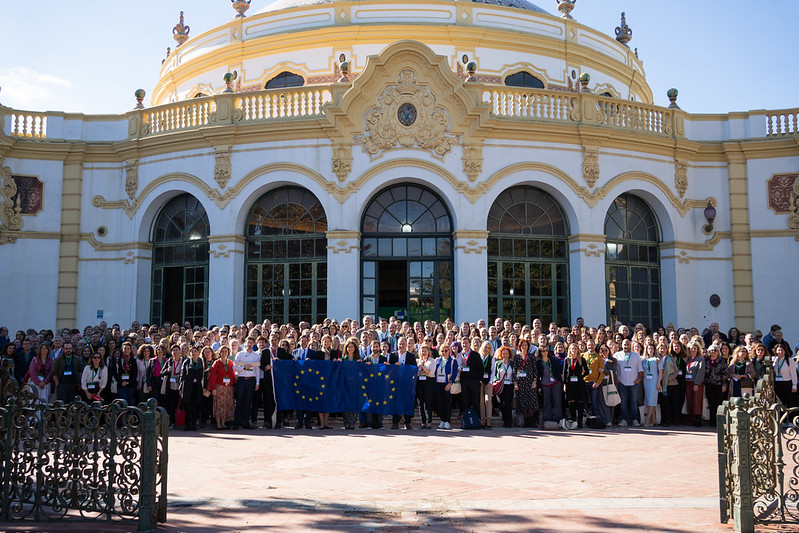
[{"x": 625, "y": 479}]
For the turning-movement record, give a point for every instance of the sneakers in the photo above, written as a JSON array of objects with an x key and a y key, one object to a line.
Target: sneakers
[
  {"x": 636, "y": 423},
  {"x": 622, "y": 423},
  {"x": 441, "y": 425},
  {"x": 447, "y": 425}
]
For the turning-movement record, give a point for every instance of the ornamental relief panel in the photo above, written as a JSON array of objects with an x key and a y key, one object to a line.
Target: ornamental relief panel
[{"x": 407, "y": 116}]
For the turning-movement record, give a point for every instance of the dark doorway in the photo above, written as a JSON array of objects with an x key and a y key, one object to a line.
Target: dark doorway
[
  {"x": 173, "y": 294},
  {"x": 392, "y": 288}
]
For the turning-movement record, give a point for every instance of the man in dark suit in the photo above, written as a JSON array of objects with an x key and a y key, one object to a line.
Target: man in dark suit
[
  {"x": 401, "y": 357},
  {"x": 302, "y": 353},
  {"x": 269, "y": 354}
]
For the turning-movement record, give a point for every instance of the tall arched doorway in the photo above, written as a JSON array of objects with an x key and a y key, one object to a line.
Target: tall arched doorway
[
  {"x": 528, "y": 257},
  {"x": 406, "y": 253},
  {"x": 180, "y": 262},
  {"x": 286, "y": 261},
  {"x": 632, "y": 262}
]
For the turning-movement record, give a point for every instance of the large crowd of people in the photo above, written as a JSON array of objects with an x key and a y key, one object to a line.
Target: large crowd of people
[{"x": 529, "y": 375}]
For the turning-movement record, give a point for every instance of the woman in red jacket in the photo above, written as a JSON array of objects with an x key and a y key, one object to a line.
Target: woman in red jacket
[{"x": 220, "y": 383}]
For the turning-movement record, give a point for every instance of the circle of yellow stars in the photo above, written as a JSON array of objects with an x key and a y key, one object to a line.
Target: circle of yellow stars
[
  {"x": 391, "y": 382},
  {"x": 321, "y": 378}
]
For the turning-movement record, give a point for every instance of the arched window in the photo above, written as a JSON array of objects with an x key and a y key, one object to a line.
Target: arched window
[
  {"x": 180, "y": 262},
  {"x": 528, "y": 263},
  {"x": 406, "y": 253},
  {"x": 285, "y": 79},
  {"x": 286, "y": 262},
  {"x": 632, "y": 262},
  {"x": 523, "y": 79},
  {"x": 200, "y": 95}
]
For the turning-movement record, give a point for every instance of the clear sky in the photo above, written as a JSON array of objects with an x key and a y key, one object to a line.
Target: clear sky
[{"x": 89, "y": 57}]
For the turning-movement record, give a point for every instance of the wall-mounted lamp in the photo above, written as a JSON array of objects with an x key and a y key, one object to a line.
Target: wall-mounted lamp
[{"x": 710, "y": 216}]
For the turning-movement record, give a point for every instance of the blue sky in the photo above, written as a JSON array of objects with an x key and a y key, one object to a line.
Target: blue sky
[{"x": 723, "y": 55}]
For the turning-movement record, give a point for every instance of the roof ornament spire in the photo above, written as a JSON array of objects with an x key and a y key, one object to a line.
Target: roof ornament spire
[
  {"x": 624, "y": 33},
  {"x": 180, "y": 32},
  {"x": 565, "y": 7},
  {"x": 240, "y": 6}
]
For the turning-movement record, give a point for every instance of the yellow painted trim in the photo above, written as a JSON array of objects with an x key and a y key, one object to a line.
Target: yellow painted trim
[
  {"x": 470, "y": 234},
  {"x": 586, "y": 237},
  {"x": 342, "y": 234}
]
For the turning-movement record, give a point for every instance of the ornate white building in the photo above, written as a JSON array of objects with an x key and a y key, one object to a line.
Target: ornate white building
[{"x": 422, "y": 158}]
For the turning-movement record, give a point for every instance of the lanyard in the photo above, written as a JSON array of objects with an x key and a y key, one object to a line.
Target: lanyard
[
  {"x": 780, "y": 364},
  {"x": 94, "y": 373},
  {"x": 69, "y": 361}
]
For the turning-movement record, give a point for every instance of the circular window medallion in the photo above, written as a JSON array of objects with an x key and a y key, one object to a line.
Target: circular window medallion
[{"x": 406, "y": 114}]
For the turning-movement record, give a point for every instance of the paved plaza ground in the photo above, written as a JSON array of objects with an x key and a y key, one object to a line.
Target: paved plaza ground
[{"x": 626, "y": 479}]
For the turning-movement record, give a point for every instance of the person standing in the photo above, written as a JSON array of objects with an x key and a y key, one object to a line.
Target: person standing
[
  {"x": 273, "y": 352},
  {"x": 486, "y": 384},
  {"x": 446, "y": 371},
  {"x": 525, "y": 379},
  {"x": 716, "y": 379},
  {"x": 402, "y": 357},
  {"x": 695, "y": 383},
  {"x": 503, "y": 376},
  {"x": 94, "y": 378},
  {"x": 425, "y": 386},
  {"x": 66, "y": 372},
  {"x": 471, "y": 374},
  {"x": 630, "y": 376},
  {"x": 40, "y": 373},
  {"x": 191, "y": 386},
  {"x": 124, "y": 370},
  {"x": 220, "y": 383},
  {"x": 245, "y": 364},
  {"x": 784, "y": 376}
]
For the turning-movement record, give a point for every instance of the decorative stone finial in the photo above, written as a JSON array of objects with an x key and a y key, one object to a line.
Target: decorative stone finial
[
  {"x": 624, "y": 33},
  {"x": 168, "y": 51},
  {"x": 584, "y": 79},
  {"x": 229, "y": 78},
  {"x": 672, "y": 94},
  {"x": 565, "y": 7},
  {"x": 344, "y": 68},
  {"x": 240, "y": 6},
  {"x": 471, "y": 67},
  {"x": 139, "y": 94},
  {"x": 180, "y": 32}
]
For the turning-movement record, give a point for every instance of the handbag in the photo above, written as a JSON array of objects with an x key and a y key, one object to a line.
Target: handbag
[
  {"x": 180, "y": 415},
  {"x": 611, "y": 393},
  {"x": 498, "y": 386},
  {"x": 455, "y": 388}
]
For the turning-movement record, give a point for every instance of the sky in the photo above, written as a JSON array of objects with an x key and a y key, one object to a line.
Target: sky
[{"x": 89, "y": 57}]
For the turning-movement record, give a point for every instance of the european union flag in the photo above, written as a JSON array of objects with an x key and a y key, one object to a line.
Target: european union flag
[{"x": 334, "y": 387}]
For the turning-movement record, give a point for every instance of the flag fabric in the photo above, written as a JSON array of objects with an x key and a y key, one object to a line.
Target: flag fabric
[{"x": 344, "y": 386}]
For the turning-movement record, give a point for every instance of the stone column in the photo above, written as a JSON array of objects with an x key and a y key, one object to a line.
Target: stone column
[
  {"x": 343, "y": 274},
  {"x": 68, "y": 253},
  {"x": 226, "y": 279},
  {"x": 471, "y": 275},
  {"x": 587, "y": 284}
]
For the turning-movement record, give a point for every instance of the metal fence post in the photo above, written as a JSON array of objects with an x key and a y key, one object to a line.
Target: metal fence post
[
  {"x": 743, "y": 512},
  {"x": 148, "y": 465},
  {"x": 721, "y": 433},
  {"x": 164, "y": 463},
  {"x": 7, "y": 435}
]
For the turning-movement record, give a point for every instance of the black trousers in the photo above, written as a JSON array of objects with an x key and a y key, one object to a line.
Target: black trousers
[
  {"x": 268, "y": 399},
  {"x": 443, "y": 403},
  {"x": 714, "y": 399},
  {"x": 424, "y": 393},
  {"x": 506, "y": 405},
  {"x": 206, "y": 408},
  {"x": 783, "y": 390},
  {"x": 671, "y": 405},
  {"x": 191, "y": 402},
  {"x": 245, "y": 388},
  {"x": 470, "y": 394},
  {"x": 66, "y": 391},
  {"x": 172, "y": 399}
]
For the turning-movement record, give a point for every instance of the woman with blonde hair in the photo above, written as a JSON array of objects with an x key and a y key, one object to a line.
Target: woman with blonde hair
[
  {"x": 486, "y": 384},
  {"x": 742, "y": 372}
]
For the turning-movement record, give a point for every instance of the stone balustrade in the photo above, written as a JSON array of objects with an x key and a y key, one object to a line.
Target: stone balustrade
[{"x": 309, "y": 102}]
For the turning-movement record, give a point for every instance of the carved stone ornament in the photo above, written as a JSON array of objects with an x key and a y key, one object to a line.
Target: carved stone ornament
[
  {"x": 793, "y": 218},
  {"x": 591, "y": 166},
  {"x": 342, "y": 161},
  {"x": 472, "y": 161},
  {"x": 681, "y": 176},
  {"x": 406, "y": 116},
  {"x": 222, "y": 167},
  {"x": 779, "y": 189},
  {"x": 10, "y": 210},
  {"x": 131, "y": 178}
]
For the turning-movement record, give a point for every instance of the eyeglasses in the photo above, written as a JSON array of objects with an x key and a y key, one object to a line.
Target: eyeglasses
[{"x": 96, "y": 357}]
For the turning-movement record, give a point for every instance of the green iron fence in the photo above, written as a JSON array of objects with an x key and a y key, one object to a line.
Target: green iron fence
[
  {"x": 758, "y": 456},
  {"x": 81, "y": 461}
]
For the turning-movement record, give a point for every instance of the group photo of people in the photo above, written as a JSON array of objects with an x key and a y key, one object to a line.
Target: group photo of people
[{"x": 472, "y": 375}]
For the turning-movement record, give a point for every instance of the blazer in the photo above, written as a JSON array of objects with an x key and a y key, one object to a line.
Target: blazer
[
  {"x": 393, "y": 358},
  {"x": 165, "y": 366},
  {"x": 117, "y": 370},
  {"x": 191, "y": 377},
  {"x": 450, "y": 369},
  {"x": 475, "y": 365}
]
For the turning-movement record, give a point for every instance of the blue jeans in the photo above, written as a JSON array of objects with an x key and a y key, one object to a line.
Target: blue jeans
[
  {"x": 629, "y": 401},
  {"x": 552, "y": 403},
  {"x": 245, "y": 389}
]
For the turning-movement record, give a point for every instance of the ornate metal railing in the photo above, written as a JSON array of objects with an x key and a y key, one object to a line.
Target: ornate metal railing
[
  {"x": 758, "y": 446},
  {"x": 81, "y": 461}
]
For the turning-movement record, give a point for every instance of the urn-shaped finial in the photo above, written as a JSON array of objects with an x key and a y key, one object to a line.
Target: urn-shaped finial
[
  {"x": 565, "y": 7},
  {"x": 229, "y": 78},
  {"x": 623, "y": 32},
  {"x": 471, "y": 68},
  {"x": 139, "y": 94},
  {"x": 584, "y": 79},
  {"x": 180, "y": 32},
  {"x": 672, "y": 94},
  {"x": 344, "y": 69},
  {"x": 241, "y": 6}
]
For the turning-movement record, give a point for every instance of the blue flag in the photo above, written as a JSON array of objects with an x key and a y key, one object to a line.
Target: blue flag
[{"x": 340, "y": 387}]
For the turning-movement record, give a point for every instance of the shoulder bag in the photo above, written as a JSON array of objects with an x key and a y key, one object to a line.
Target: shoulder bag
[{"x": 611, "y": 393}]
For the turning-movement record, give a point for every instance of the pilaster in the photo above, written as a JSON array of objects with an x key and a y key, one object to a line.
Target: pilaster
[
  {"x": 588, "y": 298},
  {"x": 471, "y": 275},
  {"x": 225, "y": 279},
  {"x": 343, "y": 274},
  {"x": 68, "y": 250}
]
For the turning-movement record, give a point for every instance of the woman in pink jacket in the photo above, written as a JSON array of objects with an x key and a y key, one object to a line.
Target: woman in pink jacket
[{"x": 40, "y": 373}]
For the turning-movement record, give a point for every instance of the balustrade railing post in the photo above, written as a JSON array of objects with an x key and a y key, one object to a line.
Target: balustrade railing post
[
  {"x": 148, "y": 467},
  {"x": 743, "y": 512},
  {"x": 7, "y": 455},
  {"x": 163, "y": 465},
  {"x": 721, "y": 433}
]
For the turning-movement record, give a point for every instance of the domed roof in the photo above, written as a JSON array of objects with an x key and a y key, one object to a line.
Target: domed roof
[{"x": 287, "y": 4}]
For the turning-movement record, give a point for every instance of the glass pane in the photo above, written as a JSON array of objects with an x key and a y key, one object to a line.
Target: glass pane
[
  {"x": 368, "y": 306},
  {"x": 428, "y": 247},
  {"x": 444, "y": 247},
  {"x": 400, "y": 249},
  {"x": 414, "y": 247},
  {"x": 368, "y": 269},
  {"x": 384, "y": 247},
  {"x": 368, "y": 286},
  {"x": 369, "y": 247}
]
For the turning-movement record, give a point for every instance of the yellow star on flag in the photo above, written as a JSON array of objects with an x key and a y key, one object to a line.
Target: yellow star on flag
[
  {"x": 297, "y": 391},
  {"x": 371, "y": 375},
  {"x": 323, "y": 386},
  {"x": 390, "y": 397},
  {"x": 365, "y": 380},
  {"x": 302, "y": 371},
  {"x": 303, "y": 397},
  {"x": 317, "y": 373},
  {"x": 392, "y": 381},
  {"x": 320, "y": 393},
  {"x": 379, "y": 373},
  {"x": 365, "y": 394},
  {"x": 393, "y": 389},
  {"x": 385, "y": 402},
  {"x": 363, "y": 386},
  {"x": 321, "y": 378}
]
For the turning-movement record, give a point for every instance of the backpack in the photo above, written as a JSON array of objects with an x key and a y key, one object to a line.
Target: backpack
[{"x": 470, "y": 420}]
